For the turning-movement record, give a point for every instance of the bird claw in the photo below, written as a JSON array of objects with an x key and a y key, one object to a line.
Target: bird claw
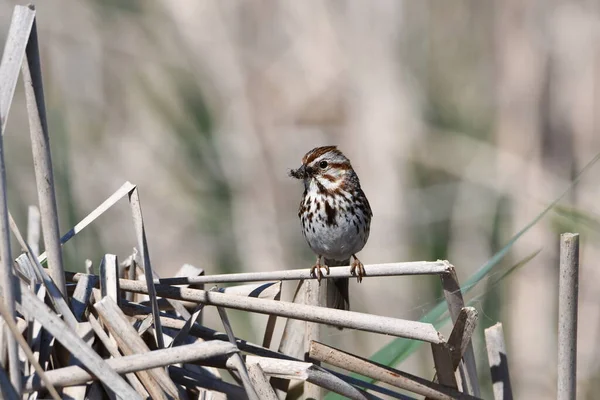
[
  {"x": 358, "y": 269},
  {"x": 315, "y": 270}
]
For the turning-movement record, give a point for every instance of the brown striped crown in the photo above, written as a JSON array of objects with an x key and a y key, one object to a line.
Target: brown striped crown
[
  {"x": 334, "y": 158},
  {"x": 318, "y": 152}
]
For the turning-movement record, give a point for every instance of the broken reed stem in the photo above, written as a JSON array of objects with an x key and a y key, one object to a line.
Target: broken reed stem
[
  {"x": 346, "y": 319},
  {"x": 40, "y": 146},
  {"x": 460, "y": 337},
  {"x": 74, "y": 375},
  {"x": 261, "y": 384},
  {"x": 402, "y": 380},
  {"x": 498, "y": 361},
  {"x": 568, "y": 287},
  {"x": 140, "y": 233},
  {"x": 92, "y": 216},
  {"x": 454, "y": 298}
]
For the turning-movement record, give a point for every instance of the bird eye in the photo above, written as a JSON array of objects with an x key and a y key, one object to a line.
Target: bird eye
[{"x": 323, "y": 164}]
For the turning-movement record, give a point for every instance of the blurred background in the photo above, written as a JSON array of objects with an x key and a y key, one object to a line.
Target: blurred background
[{"x": 464, "y": 120}]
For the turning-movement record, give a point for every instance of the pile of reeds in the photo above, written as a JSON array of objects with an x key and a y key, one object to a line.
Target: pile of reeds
[{"x": 124, "y": 332}]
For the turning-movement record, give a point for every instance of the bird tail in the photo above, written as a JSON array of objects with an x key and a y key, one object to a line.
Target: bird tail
[{"x": 337, "y": 289}]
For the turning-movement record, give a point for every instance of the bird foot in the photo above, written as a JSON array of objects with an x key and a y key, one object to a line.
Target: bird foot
[
  {"x": 357, "y": 268},
  {"x": 316, "y": 271}
]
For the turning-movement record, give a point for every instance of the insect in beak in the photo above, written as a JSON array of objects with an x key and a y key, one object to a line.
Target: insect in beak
[{"x": 301, "y": 173}]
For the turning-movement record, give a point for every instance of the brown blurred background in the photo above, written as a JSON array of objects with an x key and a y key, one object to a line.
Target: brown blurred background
[{"x": 463, "y": 119}]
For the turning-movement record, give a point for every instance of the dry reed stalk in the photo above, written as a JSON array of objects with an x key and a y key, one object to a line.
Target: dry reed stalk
[
  {"x": 372, "y": 270},
  {"x": 346, "y": 319},
  {"x": 42, "y": 158},
  {"x": 498, "y": 361},
  {"x": 73, "y": 375},
  {"x": 568, "y": 293},
  {"x": 391, "y": 269}
]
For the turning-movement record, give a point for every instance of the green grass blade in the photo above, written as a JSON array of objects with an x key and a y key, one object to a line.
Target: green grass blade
[{"x": 474, "y": 300}]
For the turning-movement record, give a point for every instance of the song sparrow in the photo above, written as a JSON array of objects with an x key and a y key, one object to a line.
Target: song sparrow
[{"x": 335, "y": 216}]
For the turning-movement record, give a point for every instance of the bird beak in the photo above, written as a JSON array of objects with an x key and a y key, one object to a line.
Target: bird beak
[{"x": 301, "y": 173}]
